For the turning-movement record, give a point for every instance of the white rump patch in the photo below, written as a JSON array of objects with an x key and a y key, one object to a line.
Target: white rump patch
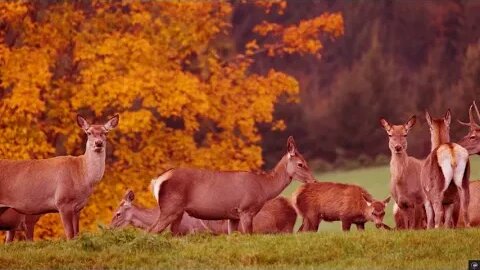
[
  {"x": 446, "y": 161},
  {"x": 461, "y": 155},
  {"x": 156, "y": 183}
]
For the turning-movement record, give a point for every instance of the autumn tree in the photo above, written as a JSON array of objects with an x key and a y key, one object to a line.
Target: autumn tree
[{"x": 184, "y": 94}]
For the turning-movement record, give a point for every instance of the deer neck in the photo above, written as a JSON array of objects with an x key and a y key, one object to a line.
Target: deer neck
[
  {"x": 144, "y": 218},
  {"x": 439, "y": 136},
  {"x": 94, "y": 165},
  {"x": 398, "y": 165},
  {"x": 277, "y": 179}
]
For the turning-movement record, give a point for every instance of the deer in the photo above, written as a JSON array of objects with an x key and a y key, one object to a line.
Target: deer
[
  {"x": 13, "y": 221},
  {"x": 60, "y": 184},
  {"x": 473, "y": 206},
  {"x": 445, "y": 175},
  {"x": 328, "y": 201},
  {"x": 471, "y": 141},
  {"x": 234, "y": 195},
  {"x": 277, "y": 216},
  {"x": 405, "y": 184}
]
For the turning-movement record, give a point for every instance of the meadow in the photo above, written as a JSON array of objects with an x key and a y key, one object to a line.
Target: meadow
[{"x": 328, "y": 249}]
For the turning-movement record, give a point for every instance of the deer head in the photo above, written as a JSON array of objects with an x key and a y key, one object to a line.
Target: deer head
[
  {"x": 439, "y": 128},
  {"x": 97, "y": 134},
  {"x": 397, "y": 134},
  {"x": 471, "y": 141},
  {"x": 375, "y": 210},
  {"x": 296, "y": 165},
  {"x": 122, "y": 217}
]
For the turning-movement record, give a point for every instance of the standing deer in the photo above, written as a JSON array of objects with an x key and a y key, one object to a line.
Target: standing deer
[
  {"x": 233, "y": 195},
  {"x": 328, "y": 201},
  {"x": 61, "y": 184},
  {"x": 471, "y": 141},
  {"x": 12, "y": 221},
  {"x": 445, "y": 175},
  {"x": 405, "y": 185},
  {"x": 473, "y": 206},
  {"x": 277, "y": 216}
]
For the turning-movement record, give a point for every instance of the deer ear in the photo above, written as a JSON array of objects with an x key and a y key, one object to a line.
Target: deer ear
[
  {"x": 429, "y": 118},
  {"x": 291, "y": 148},
  {"x": 367, "y": 199},
  {"x": 448, "y": 117},
  {"x": 411, "y": 122},
  {"x": 385, "y": 124},
  {"x": 112, "y": 122},
  {"x": 387, "y": 200},
  {"x": 129, "y": 196},
  {"x": 82, "y": 122}
]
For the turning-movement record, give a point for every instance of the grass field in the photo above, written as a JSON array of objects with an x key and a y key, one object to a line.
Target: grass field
[
  {"x": 328, "y": 249},
  {"x": 438, "y": 249}
]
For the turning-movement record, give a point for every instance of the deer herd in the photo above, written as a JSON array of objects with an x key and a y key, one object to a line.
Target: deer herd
[{"x": 430, "y": 193}]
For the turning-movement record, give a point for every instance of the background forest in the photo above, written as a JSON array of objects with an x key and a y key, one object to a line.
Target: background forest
[{"x": 222, "y": 84}]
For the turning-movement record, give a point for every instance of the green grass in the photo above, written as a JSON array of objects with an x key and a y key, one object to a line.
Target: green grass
[
  {"x": 327, "y": 249},
  {"x": 129, "y": 249}
]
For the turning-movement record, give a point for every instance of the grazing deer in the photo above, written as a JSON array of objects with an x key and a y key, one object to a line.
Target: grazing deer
[
  {"x": 328, "y": 201},
  {"x": 234, "y": 195},
  {"x": 471, "y": 141},
  {"x": 405, "y": 185},
  {"x": 277, "y": 216},
  {"x": 61, "y": 184},
  {"x": 445, "y": 175},
  {"x": 130, "y": 214}
]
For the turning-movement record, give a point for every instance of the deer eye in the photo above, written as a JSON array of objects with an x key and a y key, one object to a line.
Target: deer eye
[
  {"x": 89, "y": 133},
  {"x": 390, "y": 135},
  {"x": 473, "y": 137},
  {"x": 300, "y": 165}
]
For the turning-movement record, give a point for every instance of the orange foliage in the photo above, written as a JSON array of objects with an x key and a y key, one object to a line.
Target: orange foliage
[{"x": 158, "y": 64}]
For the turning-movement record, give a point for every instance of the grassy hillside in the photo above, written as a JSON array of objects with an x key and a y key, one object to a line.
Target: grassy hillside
[
  {"x": 436, "y": 249},
  {"x": 376, "y": 180},
  {"x": 327, "y": 249}
]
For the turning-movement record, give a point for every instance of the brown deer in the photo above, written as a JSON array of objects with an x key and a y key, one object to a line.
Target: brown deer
[
  {"x": 328, "y": 201},
  {"x": 277, "y": 216},
  {"x": 12, "y": 221},
  {"x": 445, "y": 175},
  {"x": 61, "y": 184},
  {"x": 399, "y": 217},
  {"x": 234, "y": 195},
  {"x": 474, "y": 206},
  {"x": 471, "y": 141},
  {"x": 405, "y": 185}
]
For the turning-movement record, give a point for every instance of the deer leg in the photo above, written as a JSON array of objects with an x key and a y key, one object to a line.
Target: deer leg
[
  {"x": 9, "y": 236},
  {"x": 232, "y": 225},
  {"x": 438, "y": 212},
  {"x": 464, "y": 194},
  {"x": 360, "y": 226},
  {"x": 175, "y": 227},
  {"x": 346, "y": 224},
  {"x": 165, "y": 219},
  {"x": 429, "y": 214},
  {"x": 76, "y": 223},
  {"x": 449, "y": 215},
  {"x": 246, "y": 221},
  {"x": 67, "y": 220}
]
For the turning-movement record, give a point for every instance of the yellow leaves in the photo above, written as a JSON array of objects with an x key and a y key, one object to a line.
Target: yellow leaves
[
  {"x": 157, "y": 65},
  {"x": 302, "y": 38}
]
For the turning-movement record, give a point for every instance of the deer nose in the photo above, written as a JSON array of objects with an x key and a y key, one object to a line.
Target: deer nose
[
  {"x": 398, "y": 148},
  {"x": 98, "y": 143}
]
